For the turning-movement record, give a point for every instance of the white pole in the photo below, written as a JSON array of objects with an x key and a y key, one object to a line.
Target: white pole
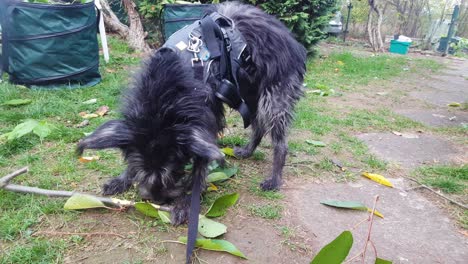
[{"x": 102, "y": 31}]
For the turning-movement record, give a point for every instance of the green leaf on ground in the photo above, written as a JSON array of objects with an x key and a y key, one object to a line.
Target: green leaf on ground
[
  {"x": 17, "y": 102},
  {"x": 350, "y": 205},
  {"x": 220, "y": 206},
  {"x": 82, "y": 201},
  {"x": 382, "y": 261},
  {"x": 216, "y": 176},
  {"x": 42, "y": 129},
  {"x": 147, "y": 209},
  {"x": 22, "y": 129},
  {"x": 216, "y": 245},
  {"x": 164, "y": 216},
  {"x": 231, "y": 171},
  {"x": 228, "y": 151},
  {"x": 345, "y": 204},
  {"x": 336, "y": 251},
  {"x": 315, "y": 143},
  {"x": 209, "y": 228}
]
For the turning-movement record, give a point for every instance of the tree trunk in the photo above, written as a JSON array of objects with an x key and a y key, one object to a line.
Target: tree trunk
[
  {"x": 380, "y": 46},
  {"x": 136, "y": 34},
  {"x": 369, "y": 29},
  {"x": 373, "y": 27},
  {"x": 112, "y": 22}
]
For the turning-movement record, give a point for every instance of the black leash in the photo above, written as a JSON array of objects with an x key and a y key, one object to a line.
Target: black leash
[{"x": 193, "y": 216}]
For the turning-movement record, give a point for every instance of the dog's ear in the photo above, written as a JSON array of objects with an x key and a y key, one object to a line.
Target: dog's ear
[
  {"x": 112, "y": 134},
  {"x": 204, "y": 146}
]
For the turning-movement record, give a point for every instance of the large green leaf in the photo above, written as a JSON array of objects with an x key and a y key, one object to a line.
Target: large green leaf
[
  {"x": 382, "y": 261},
  {"x": 216, "y": 176},
  {"x": 165, "y": 216},
  {"x": 17, "y": 102},
  {"x": 82, "y": 201},
  {"x": 350, "y": 205},
  {"x": 229, "y": 171},
  {"x": 22, "y": 129},
  {"x": 42, "y": 129},
  {"x": 228, "y": 151},
  {"x": 220, "y": 206},
  {"x": 216, "y": 245},
  {"x": 336, "y": 251},
  {"x": 209, "y": 228},
  {"x": 345, "y": 204},
  {"x": 146, "y": 209}
]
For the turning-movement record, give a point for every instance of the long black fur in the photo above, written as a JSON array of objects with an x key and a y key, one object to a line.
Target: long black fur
[{"x": 170, "y": 118}]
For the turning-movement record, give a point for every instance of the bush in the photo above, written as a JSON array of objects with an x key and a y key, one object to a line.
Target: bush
[{"x": 305, "y": 18}]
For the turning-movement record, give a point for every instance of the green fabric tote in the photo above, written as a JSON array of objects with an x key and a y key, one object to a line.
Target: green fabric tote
[
  {"x": 177, "y": 16},
  {"x": 50, "y": 45}
]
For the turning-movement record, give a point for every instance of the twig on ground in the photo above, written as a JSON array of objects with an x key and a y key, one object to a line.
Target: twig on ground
[
  {"x": 4, "y": 184},
  {"x": 53, "y": 233},
  {"x": 434, "y": 191},
  {"x": 370, "y": 229},
  {"x": 5, "y": 180},
  {"x": 360, "y": 222}
]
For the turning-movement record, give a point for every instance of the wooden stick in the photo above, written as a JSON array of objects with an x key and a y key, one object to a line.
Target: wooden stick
[
  {"x": 436, "y": 192},
  {"x": 5, "y": 180},
  {"x": 4, "y": 184},
  {"x": 53, "y": 233},
  {"x": 370, "y": 229}
]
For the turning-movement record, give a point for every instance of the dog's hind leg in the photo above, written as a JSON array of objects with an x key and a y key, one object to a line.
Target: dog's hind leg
[
  {"x": 119, "y": 184},
  {"x": 279, "y": 140},
  {"x": 255, "y": 138}
]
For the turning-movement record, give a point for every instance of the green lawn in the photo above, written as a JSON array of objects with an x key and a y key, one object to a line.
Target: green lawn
[{"x": 53, "y": 163}]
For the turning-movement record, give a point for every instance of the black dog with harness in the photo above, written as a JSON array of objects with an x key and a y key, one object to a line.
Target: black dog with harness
[{"x": 217, "y": 52}]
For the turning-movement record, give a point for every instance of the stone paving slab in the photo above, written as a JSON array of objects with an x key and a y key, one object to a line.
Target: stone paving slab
[
  {"x": 414, "y": 230},
  {"x": 409, "y": 152},
  {"x": 436, "y": 117}
]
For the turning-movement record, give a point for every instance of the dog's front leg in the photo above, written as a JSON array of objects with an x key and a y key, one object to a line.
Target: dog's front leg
[
  {"x": 119, "y": 184},
  {"x": 255, "y": 138},
  {"x": 181, "y": 208}
]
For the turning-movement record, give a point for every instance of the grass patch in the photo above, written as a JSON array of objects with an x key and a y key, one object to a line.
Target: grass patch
[
  {"x": 35, "y": 251},
  {"x": 230, "y": 141},
  {"x": 345, "y": 70},
  {"x": 449, "y": 179},
  {"x": 266, "y": 211},
  {"x": 256, "y": 190}
]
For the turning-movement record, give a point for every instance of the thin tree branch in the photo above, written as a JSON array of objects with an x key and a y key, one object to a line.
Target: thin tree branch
[
  {"x": 53, "y": 233},
  {"x": 370, "y": 229},
  {"x": 436, "y": 192},
  {"x": 5, "y": 180},
  {"x": 4, "y": 184}
]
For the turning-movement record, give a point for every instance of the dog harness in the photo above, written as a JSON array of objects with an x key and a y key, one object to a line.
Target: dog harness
[{"x": 215, "y": 38}]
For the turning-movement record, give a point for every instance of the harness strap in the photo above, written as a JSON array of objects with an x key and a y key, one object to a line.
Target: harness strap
[{"x": 193, "y": 215}]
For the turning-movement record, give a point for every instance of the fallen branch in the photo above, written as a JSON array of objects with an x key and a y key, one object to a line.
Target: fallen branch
[
  {"x": 434, "y": 191},
  {"x": 53, "y": 233},
  {"x": 4, "y": 184},
  {"x": 370, "y": 230}
]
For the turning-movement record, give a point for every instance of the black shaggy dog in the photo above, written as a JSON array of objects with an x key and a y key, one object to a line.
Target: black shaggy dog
[{"x": 171, "y": 118}]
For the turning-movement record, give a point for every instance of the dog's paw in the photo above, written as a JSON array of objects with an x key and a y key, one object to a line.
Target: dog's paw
[
  {"x": 242, "y": 153},
  {"x": 115, "y": 186},
  {"x": 270, "y": 184},
  {"x": 180, "y": 212}
]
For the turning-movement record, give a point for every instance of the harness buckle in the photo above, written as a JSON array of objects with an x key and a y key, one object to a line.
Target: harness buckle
[{"x": 197, "y": 61}]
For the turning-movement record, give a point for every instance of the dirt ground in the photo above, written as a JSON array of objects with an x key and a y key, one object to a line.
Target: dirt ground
[{"x": 417, "y": 227}]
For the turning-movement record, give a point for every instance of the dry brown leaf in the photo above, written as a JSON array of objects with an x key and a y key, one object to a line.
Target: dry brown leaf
[
  {"x": 102, "y": 110},
  {"x": 85, "y": 159}
]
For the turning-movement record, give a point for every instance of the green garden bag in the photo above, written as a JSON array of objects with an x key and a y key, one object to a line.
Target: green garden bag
[
  {"x": 177, "y": 16},
  {"x": 50, "y": 45}
]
